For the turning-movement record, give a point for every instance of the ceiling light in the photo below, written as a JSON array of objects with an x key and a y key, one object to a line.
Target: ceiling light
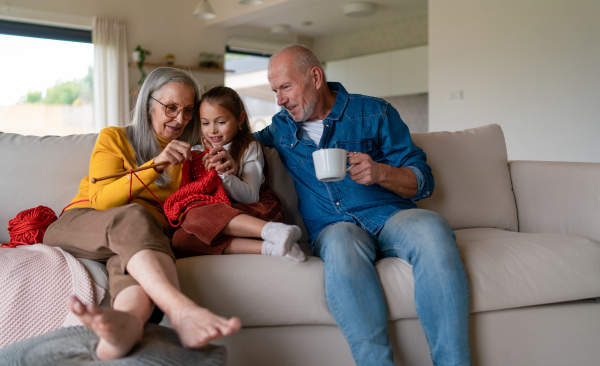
[
  {"x": 360, "y": 9},
  {"x": 281, "y": 29},
  {"x": 250, "y": 2},
  {"x": 204, "y": 10}
]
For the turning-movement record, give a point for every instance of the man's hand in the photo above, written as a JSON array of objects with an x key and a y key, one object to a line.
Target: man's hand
[
  {"x": 401, "y": 181},
  {"x": 365, "y": 170},
  {"x": 219, "y": 158}
]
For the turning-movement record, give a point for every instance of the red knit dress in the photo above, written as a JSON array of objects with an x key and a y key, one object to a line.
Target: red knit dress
[{"x": 200, "y": 230}]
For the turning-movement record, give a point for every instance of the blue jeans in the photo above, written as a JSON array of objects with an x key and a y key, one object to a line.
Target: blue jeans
[{"x": 355, "y": 296}]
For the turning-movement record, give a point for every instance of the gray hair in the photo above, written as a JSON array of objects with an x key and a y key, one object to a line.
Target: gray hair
[
  {"x": 140, "y": 132},
  {"x": 304, "y": 59}
]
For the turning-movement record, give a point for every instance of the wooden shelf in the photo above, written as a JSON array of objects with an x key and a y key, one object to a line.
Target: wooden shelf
[{"x": 191, "y": 68}]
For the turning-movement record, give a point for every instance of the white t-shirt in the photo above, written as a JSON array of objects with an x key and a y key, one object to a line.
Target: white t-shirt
[
  {"x": 244, "y": 187},
  {"x": 312, "y": 130}
]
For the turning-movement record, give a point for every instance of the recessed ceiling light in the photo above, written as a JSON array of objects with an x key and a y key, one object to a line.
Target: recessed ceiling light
[
  {"x": 250, "y": 2},
  {"x": 359, "y": 9},
  {"x": 282, "y": 29}
]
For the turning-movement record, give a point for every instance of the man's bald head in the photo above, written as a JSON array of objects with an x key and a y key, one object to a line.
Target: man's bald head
[{"x": 298, "y": 57}]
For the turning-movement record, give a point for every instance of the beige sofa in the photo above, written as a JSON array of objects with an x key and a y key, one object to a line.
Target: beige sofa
[{"x": 529, "y": 235}]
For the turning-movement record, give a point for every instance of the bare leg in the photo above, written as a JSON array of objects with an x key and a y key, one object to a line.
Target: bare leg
[
  {"x": 244, "y": 226},
  {"x": 244, "y": 246},
  {"x": 155, "y": 272},
  {"x": 120, "y": 328}
]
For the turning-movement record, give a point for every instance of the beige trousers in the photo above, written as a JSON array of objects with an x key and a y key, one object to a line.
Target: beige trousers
[{"x": 110, "y": 236}]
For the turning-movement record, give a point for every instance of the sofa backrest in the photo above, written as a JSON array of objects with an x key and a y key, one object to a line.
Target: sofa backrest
[
  {"x": 473, "y": 188},
  {"x": 283, "y": 185},
  {"x": 40, "y": 171},
  {"x": 472, "y": 181},
  {"x": 47, "y": 171}
]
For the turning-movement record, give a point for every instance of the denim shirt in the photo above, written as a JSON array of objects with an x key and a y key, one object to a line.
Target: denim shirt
[{"x": 356, "y": 123}]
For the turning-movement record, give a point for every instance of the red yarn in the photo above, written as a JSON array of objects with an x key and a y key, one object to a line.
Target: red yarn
[
  {"x": 198, "y": 187},
  {"x": 29, "y": 226}
]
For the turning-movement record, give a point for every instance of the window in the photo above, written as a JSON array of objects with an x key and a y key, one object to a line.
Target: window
[
  {"x": 247, "y": 74},
  {"x": 46, "y": 86}
]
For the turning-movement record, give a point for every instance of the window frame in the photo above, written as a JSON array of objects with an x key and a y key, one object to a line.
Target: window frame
[{"x": 24, "y": 29}]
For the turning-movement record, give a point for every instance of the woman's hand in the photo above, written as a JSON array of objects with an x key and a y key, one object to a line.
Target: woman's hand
[
  {"x": 175, "y": 153},
  {"x": 219, "y": 158}
]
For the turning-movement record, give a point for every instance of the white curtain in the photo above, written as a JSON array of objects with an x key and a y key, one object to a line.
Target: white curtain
[{"x": 111, "y": 78}]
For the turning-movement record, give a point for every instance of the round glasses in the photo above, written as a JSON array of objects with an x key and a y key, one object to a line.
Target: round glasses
[{"x": 172, "y": 110}]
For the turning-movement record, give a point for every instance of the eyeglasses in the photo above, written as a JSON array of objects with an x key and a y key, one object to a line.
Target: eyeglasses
[{"x": 172, "y": 111}]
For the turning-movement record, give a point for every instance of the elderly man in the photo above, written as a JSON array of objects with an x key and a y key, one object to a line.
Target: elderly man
[{"x": 370, "y": 214}]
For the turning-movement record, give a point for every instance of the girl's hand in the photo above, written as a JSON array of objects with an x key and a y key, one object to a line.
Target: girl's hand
[
  {"x": 175, "y": 153},
  {"x": 219, "y": 158}
]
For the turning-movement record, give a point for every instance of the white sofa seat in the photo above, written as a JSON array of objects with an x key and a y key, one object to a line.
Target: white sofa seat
[{"x": 505, "y": 269}]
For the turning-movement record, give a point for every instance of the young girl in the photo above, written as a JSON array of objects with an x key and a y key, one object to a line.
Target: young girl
[{"x": 255, "y": 210}]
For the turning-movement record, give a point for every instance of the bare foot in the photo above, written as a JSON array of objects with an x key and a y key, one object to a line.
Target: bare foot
[
  {"x": 119, "y": 332},
  {"x": 197, "y": 326}
]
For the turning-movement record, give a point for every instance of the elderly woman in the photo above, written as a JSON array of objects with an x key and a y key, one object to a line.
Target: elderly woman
[{"x": 119, "y": 221}]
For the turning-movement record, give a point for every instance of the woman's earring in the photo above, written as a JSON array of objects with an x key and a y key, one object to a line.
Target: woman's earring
[{"x": 240, "y": 128}]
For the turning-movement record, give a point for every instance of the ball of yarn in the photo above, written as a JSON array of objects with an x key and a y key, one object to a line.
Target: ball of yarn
[{"x": 29, "y": 226}]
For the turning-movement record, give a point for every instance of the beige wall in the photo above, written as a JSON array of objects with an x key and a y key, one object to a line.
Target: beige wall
[{"x": 531, "y": 66}]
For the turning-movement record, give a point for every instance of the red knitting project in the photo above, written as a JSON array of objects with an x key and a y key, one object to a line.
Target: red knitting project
[
  {"x": 198, "y": 187},
  {"x": 29, "y": 226}
]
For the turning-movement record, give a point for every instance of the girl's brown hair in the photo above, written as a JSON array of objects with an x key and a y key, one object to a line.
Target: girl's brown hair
[{"x": 229, "y": 99}]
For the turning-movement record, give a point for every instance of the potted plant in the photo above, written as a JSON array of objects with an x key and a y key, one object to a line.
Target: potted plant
[{"x": 139, "y": 56}]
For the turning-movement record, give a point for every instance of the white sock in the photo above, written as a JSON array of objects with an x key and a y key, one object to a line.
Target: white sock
[
  {"x": 281, "y": 235},
  {"x": 267, "y": 248},
  {"x": 295, "y": 253}
]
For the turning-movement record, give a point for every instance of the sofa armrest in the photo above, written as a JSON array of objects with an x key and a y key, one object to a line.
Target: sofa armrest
[{"x": 559, "y": 197}]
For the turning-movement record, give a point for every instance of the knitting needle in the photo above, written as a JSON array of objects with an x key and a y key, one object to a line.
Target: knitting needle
[{"x": 94, "y": 180}]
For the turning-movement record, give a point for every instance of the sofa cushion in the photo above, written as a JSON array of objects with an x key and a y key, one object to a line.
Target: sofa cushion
[
  {"x": 505, "y": 270},
  {"x": 472, "y": 181},
  {"x": 559, "y": 197},
  {"x": 261, "y": 290},
  {"x": 40, "y": 171},
  {"x": 510, "y": 270}
]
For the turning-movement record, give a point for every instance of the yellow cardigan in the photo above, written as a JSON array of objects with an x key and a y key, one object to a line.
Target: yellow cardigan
[{"x": 113, "y": 154}]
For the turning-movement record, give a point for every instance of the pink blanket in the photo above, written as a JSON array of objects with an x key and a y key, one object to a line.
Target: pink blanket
[{"x": 35, "y": 281}]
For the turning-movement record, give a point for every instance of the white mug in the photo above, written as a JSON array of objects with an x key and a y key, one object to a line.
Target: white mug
[{"x": 330, "y": 164}]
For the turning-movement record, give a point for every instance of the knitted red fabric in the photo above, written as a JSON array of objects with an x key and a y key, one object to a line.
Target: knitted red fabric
[
  {"x": 198, "y": 187},
  {"x": 29, "y": 226}
]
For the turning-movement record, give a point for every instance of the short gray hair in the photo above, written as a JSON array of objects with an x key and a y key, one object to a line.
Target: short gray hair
[
  {"x": 304, "y": 59},
  {"x": 140, "y": 132}
]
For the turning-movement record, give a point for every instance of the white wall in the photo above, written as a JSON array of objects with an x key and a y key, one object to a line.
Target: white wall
[
  {"x": 393, "y": 73},
  {"x": 532, "y": 66}
]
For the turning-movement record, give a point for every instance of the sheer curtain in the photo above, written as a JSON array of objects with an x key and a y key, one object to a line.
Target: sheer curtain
[{"x": 111, "y": 91}]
